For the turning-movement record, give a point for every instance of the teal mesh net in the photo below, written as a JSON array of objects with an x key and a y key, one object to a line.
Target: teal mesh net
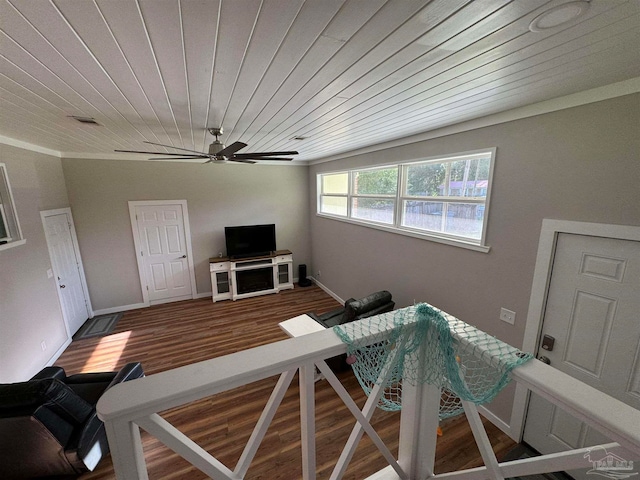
[{"x": 422, "y": 344}]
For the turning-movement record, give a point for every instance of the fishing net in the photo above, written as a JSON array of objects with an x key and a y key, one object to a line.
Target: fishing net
[{"x": 422, "y": 344}]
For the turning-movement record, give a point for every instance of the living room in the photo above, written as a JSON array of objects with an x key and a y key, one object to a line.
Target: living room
[
  {"x": 594, "y": 182},
  {"x": 571, "y": 157}
]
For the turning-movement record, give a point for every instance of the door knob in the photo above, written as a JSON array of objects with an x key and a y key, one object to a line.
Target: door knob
[
  {"x": 62, "y": 286},
  {"x": 544, "y": 359},
  {"x": 183, "y": 256}
]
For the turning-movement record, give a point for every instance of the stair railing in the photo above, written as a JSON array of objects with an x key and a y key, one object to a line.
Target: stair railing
[{"x": 132, "y": 405}]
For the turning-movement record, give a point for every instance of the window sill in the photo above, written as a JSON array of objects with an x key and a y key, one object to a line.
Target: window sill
[
  {"x": 409, "y": 233},
  {"x": 17, "y": 243}
]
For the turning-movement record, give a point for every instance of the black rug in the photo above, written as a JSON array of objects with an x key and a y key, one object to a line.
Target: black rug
[
  {"x": 98, "y": 326},
  {"x": 522, "y": 451}
]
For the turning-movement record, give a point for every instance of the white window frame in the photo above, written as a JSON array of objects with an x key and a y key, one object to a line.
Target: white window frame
[
  {"x": 8, "y": 213},
  {"x": 397, "y": 227},
  {"x": 334, "y": 195},
  {"x": 352, "y": 195}
]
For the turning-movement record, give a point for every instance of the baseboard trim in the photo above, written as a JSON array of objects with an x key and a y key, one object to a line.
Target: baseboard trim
[
  {"x": 329, "y": 292},
  {"x": 122, "y": 308},
  {"x": 59, "y": 352},
  {"x": 203, "y": 295}
]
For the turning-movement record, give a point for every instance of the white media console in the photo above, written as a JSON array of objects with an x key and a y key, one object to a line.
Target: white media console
[{"x": 250, "y": 277}]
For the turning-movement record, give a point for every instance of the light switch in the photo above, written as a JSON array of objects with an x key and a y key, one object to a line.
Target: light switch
[{"x": 49, "y": 273}]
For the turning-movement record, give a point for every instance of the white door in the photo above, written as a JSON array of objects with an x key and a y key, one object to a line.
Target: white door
[
  {"x": 66, "y": 267},
  {"x": 592, "y": 312},
  {"x": 163, "y": 252}
]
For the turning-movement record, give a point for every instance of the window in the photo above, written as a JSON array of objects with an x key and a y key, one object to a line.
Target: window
[
  {"x": 334, "y": 189},
  {"x": 374, "y": 194},
  {"x": 10, "y": 234},
  {"x": 444, "y": 199}
]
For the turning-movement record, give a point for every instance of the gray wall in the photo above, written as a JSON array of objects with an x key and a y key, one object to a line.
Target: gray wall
[
  {"x": 29, "y": 308},
  {"x": 217, "y": 196},
  {"x": 579, "y": 164}
]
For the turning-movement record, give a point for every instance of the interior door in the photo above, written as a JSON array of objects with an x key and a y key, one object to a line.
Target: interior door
[
  {"x": 66, "y": 265},
  {"x": 164, "y": 252},
  {"x": 592, "y": 316}
]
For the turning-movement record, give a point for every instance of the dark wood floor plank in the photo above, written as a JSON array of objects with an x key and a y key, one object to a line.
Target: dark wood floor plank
[{"x": 172, "y": 335}]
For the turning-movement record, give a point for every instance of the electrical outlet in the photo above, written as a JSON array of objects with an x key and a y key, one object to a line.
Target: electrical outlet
[
  {"x": 49, "y": 273},
  {"x": 507, "y": 316},
  {"x": 43, "y": 345},
  {"x": 318, "y": 274}
]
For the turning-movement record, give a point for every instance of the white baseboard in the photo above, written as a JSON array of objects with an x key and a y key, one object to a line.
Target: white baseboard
[
  {"x": 59, "y": 352},
  {"x": 314, "y": 280},
  {"x": 122, "y": 308},
  {"x": 203, "y": 295}
]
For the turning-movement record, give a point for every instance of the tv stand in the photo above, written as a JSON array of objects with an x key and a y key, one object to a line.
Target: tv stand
[{"x": 237, "y": 278}]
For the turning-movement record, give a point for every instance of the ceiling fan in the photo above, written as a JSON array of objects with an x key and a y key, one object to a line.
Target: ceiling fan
[{"x": 218, "y": 152}]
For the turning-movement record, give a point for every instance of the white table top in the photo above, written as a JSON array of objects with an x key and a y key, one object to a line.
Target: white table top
[{"x": 300, "y": 325}]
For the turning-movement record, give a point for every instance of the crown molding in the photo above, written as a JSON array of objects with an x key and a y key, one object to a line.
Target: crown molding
[
  {"x": 593, "y": 95},
  {"x": 28, "y": 146}
]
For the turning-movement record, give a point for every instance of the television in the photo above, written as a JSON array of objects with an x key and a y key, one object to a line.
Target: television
[{"x": 250, "y": 240}]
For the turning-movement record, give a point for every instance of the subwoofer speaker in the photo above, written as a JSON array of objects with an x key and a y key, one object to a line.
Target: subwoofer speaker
[{"x": 303, "y": 281}]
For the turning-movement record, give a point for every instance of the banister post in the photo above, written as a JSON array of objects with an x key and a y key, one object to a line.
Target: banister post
[
  {"x": 126, "y": 450},
  {"x": 419, "y": 419},
  {"x": 418, "y": 430},
  {"x": 308, "y": 420}
]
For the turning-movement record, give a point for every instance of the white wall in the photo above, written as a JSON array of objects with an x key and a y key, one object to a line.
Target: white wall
[
  {"x": 217, "y": 196},
  {"x": 29, "y": 308},
  {"x": 579, "y": 164}
]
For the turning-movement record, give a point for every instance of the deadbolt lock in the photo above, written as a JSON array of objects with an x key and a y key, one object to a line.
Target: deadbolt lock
[{"x": 547, "y": 343}]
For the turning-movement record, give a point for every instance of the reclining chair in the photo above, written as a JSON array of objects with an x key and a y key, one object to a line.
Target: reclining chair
[
  {"x": 49, "y": 425},
  {"x": 378, "y": 302}
]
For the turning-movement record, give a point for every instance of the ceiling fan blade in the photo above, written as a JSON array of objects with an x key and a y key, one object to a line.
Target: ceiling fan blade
[
  {"x": 180, "y": 158},
  {"x": 231, "y": 149},
  {"x": 240, "y": 160},
  {"x": 159, "y": 153},
  {"x": 175, "y": 148},
  {"x": 265, "y": 154},
  {"x": 262, "y": 158}
]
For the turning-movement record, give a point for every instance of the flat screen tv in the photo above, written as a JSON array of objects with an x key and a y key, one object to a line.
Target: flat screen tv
[{"x": 250, "y": 240}]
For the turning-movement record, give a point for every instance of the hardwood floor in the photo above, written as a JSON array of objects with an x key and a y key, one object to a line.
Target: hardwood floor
[{"x": 171, "y": 335}]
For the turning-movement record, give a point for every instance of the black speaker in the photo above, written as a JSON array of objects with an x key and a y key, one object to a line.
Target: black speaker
[{"x": 303, "y": 281}]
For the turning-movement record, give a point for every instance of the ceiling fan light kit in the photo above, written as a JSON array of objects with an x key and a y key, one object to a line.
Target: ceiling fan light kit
[
  {"x": 559, "y": 15},
  {"x": 217, "y": 153}
]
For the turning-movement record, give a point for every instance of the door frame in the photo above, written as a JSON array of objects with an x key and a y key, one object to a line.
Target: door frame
[
  {"x": 44, "y": 214},
  {"x": 138, "y": 243},
  {"x": 549, "y": 233}
]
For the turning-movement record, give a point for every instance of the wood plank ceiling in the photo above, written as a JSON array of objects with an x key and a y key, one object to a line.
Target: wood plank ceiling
[{"x": 340, "y": 74}]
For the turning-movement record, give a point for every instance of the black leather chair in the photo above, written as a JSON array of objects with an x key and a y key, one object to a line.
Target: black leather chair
[
  {"x": 49, "y": 425},
  {"x": 378, "y": 302},
  {"x": 374, "y": 304}
]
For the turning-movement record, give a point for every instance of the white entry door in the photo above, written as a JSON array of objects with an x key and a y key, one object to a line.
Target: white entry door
[
  {"x": 592, "y": 313},
  {"x": 164, "y": 252},
  {"x": 66, "y": 263}
]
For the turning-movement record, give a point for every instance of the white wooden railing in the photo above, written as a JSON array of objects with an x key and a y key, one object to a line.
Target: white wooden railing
[{"x": 132, "y": 405}]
